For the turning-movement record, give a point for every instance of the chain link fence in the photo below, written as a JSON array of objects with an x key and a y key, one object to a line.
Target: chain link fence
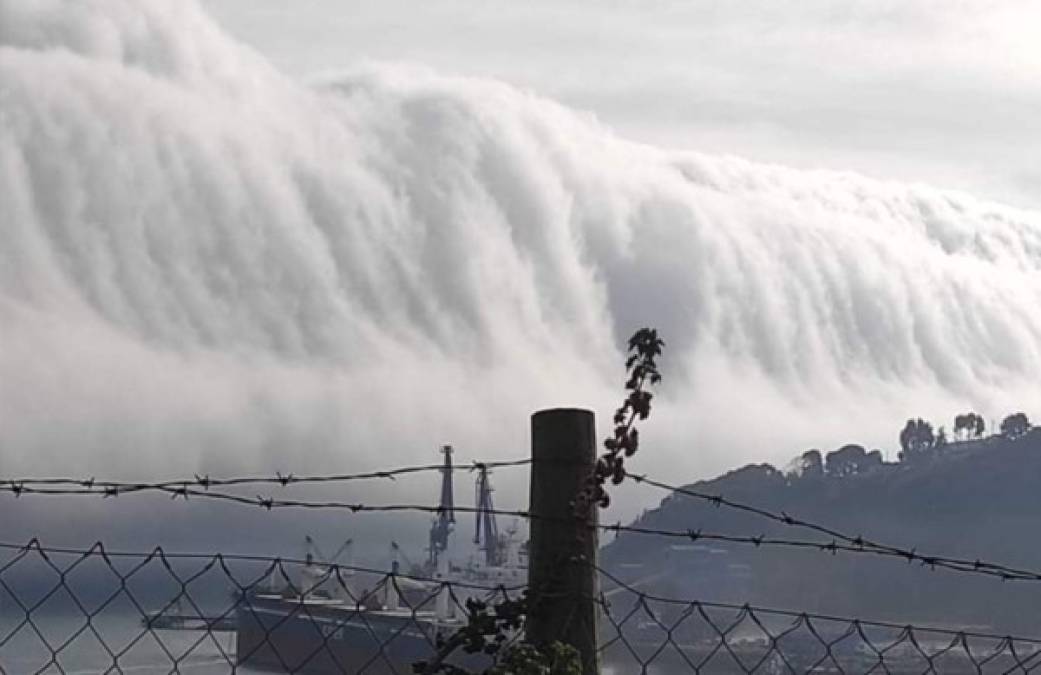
[
  {"x": 99, "y": 611},
  {"x": 87, "y": 611},
  {"x": 654, "y": 635}
]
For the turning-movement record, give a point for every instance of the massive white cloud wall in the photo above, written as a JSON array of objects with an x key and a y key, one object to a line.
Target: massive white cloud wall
[{"x": 205, "y": 263}]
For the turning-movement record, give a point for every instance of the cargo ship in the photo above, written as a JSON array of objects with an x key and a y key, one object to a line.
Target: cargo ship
[{"x": 323, "y": 624}]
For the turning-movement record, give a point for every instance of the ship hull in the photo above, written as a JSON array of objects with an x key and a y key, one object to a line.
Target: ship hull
[{"x": 288, "y": 636}]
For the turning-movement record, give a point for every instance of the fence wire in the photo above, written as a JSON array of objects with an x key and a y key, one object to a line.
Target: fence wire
[
  {"x": 93, "y": 610},
  {"x": 844, "y": 544},
  {"x": 645, "y": 633},
  {"x": 91, "y": 485},
  {"x": 836, "y": 540},
  {"x": 203, "y": 487}
]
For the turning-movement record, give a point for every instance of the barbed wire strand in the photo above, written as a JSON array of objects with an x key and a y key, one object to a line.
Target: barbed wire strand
[
  {"x": 199, "y": 486},
  {"x": 839, "y": 542},
  {"x": 20, "y": 484}
]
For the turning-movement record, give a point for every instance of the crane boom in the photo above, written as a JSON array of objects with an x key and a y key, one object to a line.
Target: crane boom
[
  {"x": 485, "y": 524},
  {"x": 445, "y": 519}
]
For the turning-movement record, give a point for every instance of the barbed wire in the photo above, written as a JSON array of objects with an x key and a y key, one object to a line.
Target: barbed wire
[
  {"x": 982, "y": 568},
  {"x": 839, "y": 541},
  {"x": 19, "y": 485},
  {"x": 201, "y": 487},
  {"x": 269, "y": 503}
]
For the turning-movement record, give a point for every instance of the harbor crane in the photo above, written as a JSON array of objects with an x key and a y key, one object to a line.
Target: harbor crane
[
  {"x": 444, "y": 521},
  {"x": 486, "y": 529}
]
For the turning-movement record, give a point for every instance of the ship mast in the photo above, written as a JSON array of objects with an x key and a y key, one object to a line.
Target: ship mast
[
  {"x": 485, "y": 524},
  {"x": 445, "y": 519}
]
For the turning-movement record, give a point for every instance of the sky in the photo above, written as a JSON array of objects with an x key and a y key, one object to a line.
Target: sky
[
  {"x": 249, "y": 237},
  {"x": 945, "y": 93}
]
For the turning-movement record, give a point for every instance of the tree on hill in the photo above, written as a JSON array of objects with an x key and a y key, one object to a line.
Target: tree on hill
[
  {"x": 916, "y": 439},
  {"x": 1015, "y": 425},
  {"x": 810, "y": 463},
  {"x": 850, "y": 460},
  {"x": 960, "y": 425},
  {"x": 969, "y": 425}
]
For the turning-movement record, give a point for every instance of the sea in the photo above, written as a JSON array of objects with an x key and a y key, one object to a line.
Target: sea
[{"x": 73, "y": 645}]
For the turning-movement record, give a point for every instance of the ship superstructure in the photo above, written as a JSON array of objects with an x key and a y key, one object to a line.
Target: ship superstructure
[{"x": 502, "y": 557}]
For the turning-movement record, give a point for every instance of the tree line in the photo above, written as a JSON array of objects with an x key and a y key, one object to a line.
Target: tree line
[{"x": 918, "y": 440}]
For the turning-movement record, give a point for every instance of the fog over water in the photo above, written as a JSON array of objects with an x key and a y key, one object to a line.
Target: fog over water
[{"x": 207, "y": 265}]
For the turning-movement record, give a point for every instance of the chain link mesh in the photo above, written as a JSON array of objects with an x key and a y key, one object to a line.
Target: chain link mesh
[
  {"x": 87, "y": 611},
  {"x": 96, "y": 611},
  {"x": 643, "y": 633}
]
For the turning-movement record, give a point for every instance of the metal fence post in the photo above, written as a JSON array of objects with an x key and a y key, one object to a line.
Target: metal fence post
[{"x": 563, "y": 547}]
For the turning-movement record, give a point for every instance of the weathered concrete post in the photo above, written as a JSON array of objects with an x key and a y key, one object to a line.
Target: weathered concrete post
[{"x": 563, "y": 547}]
